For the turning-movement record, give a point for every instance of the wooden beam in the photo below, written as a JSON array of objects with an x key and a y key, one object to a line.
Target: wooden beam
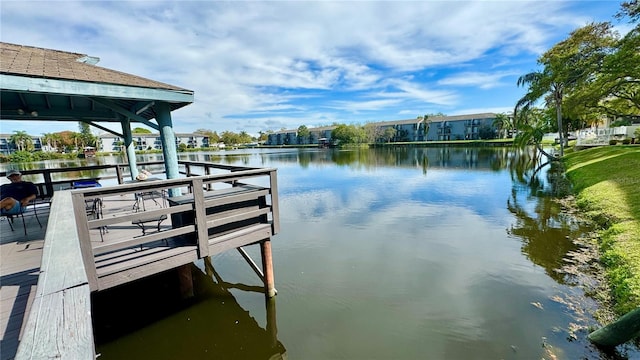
[
  {"x": 93, "y": 123},
  {"x": 83, "y": 88},
  {"x": 124, "y": 112},
  {"x": 252, "y": 263}
]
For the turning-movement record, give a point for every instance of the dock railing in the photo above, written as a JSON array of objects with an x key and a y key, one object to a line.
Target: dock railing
[
  {"x": 50, "y": 180},
  {"x": 215, "y": 209}
]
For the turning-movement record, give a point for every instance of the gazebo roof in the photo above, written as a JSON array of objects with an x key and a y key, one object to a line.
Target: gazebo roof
[{"x": 53, "y": 85}]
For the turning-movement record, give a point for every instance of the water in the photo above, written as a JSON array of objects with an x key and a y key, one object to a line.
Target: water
[{"x": 408, "y": 253}]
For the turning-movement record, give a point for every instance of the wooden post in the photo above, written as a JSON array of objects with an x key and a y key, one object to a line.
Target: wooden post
[
  {"x": 267, "y": 268},
  {"x": 119, "y": 174},
  {"x": 48, "y": 183},
  {"x": 130, "y": 147},
  {"x": 272, "y": 328},
  {"x": 186, "y": 281},
  {"x": 618, "y": 332},
  {"x": 208, "y": 266}
]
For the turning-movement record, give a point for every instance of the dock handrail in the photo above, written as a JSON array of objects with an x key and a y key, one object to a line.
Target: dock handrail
[
  {"x": 45, "y": 179},
  {"x": 66, "y": 333}
]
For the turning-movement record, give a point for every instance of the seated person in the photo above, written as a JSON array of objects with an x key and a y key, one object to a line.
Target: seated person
[{"x": 15, "y": 196}]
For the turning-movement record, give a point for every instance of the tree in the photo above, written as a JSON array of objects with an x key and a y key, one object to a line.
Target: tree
[
  {"x": 139, "y": 130},
  {"x": 531, "y": 124},
  {"x": 566, "y": 66},
  {"x": 51, "y": 139},
  {"x": 504, "y": 124},
  {"x": 388, "y": 134},
  {"x": 264, "y": 136},
  {"x": 348, "y": 134},
  {"x": 631, "y": 9},
  {"x": 244, "y": 138},
  {"x": 230, "y": 138},
  {"x": 303, "y": 134},
  {"x": 22, "y": 140},
  {"x": 372, "y": 132},
  {"x": 77, "y": 139},
  {"x": 213, "y": 136},
  {"x": 87, "y": 137}
]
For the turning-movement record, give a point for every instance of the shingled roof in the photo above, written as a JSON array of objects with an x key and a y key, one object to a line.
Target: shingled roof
[
  {"x": 54, "y": 64},
  {"x": 53, "y": 85}
]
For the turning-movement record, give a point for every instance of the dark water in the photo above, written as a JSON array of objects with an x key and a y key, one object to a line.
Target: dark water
[{"x": 409, "y": 253}]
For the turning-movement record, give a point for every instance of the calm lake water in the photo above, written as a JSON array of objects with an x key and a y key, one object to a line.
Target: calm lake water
[{"x": 408, "y": 253}]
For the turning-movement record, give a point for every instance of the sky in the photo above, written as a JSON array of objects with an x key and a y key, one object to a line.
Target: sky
[{"x": 271, "y": 65}]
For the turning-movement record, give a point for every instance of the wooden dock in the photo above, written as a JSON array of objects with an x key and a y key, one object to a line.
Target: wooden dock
[
  {"x": 20, "y": 258},
  {"x": 99, "y": 238}
]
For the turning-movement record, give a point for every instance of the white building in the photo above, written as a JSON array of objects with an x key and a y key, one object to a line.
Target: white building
[{"x": 113, "y": 143}]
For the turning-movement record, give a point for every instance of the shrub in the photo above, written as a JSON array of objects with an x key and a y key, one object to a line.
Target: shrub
[
  {"x": 626, "y": 141},
  {"x": 613, "y": 142}
]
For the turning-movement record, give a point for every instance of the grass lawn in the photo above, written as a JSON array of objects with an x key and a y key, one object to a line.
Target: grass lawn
[{"x": 606, "y": 181}]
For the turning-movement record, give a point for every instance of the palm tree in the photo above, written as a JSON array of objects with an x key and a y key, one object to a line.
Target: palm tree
[
  {"x": 541, "y": 83},
  {"x": 51, "y": 139},
  {"x": 531, "y": 126},
  {"x": 21, "y": 140},
  {"x": 77, "y": 138},
  {"x": 504, "y": 124}
]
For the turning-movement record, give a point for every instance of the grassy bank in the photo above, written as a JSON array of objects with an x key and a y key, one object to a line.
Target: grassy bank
[{"x": 606, "y": 181}]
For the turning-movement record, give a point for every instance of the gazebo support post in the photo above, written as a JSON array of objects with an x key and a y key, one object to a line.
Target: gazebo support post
[{"x": 168, "y": 139}]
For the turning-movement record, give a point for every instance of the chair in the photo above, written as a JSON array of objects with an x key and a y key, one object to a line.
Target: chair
[
  {"x": 21, "y": 215},
  {"x": 154, "y": 195},
  {"x": 93, "y": 207}
]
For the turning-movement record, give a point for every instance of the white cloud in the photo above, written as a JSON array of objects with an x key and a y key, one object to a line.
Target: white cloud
[
  {"x": 477, "y": 79},
  {"x": 311, "y": 59}
]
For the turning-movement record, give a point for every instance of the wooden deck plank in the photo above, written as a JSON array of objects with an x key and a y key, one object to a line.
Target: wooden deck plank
[
  {"x": 143, "y": 257},
  {"x": 60, "y": 268},
  {"x": 239, "y": 238},
  {"x": 143, "y": 239},
  {"x": 69, "y": 334},
  {"x": 236, "y": 215},
  {"x": 20, "y": 258},
  {"x": 129, "y": 254},
  {"x": 147, "y": 266}
]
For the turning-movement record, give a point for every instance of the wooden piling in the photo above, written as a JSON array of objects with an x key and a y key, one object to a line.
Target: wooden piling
[
  {"x": 618, "y": 332},
  {"x": 272, "y": 327},
  {"x": 185, "y": 279},
  {"x": 267, "y": 268}
]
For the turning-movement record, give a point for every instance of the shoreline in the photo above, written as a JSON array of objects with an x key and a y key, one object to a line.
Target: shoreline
[{"x": 605, "y": 196}]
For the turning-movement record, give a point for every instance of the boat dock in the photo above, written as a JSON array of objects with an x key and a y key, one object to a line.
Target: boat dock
[{"x": 97, "y": 238}]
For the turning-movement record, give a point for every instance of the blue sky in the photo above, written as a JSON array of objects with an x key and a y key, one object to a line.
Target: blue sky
[{"x": 268, "y": 65}]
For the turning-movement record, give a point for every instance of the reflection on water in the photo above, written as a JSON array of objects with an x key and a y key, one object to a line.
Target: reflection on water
[
  {"x": 212, "y": 325},
  {"x": 403, "y": 253}
]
